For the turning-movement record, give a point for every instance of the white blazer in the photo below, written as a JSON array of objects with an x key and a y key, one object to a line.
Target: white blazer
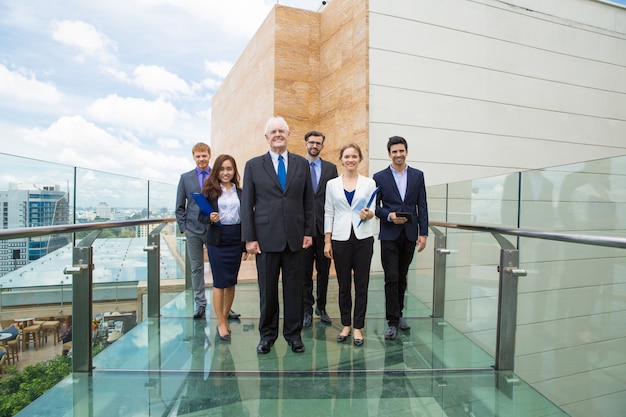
[{"x": 340, "y": 217}]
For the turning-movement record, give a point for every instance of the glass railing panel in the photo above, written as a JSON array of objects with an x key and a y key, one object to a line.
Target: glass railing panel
[
  {"x": 437, "y": 202},
  {"x": 589, "y": 198},
  {"x": 101, "y": 197},
  {"x": 571, "y": 341},
  {"x": 484, "y": 201}
]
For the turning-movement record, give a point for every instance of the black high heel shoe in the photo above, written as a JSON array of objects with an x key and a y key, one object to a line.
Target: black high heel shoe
[
  {"x": 225, "y": 338},
  {"x": 341, "y": 338}
]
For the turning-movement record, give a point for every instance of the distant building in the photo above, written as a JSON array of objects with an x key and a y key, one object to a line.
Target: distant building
[
  {"x": 103, "y": 211},
  {"x": 31, "y": 206}
]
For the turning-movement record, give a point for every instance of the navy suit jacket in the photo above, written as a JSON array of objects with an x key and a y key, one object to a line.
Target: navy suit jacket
[
  {"x": 329, "y": 171},
  {"x": 274, "y": 218},
  {"x": 389, "y": 201},
  {"x": 187, "y": 210}
]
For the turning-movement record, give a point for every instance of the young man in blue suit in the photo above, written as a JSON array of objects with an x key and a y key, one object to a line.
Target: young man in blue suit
[
  {"x": 187, "y": 213},
  {"x": 277, "y": 224},
  {"x": 402, "y": 190}
]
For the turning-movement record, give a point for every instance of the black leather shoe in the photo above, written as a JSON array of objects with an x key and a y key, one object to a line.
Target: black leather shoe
[
  {"x": 403, "y": 325},
  {"x": 341, "y": 338},
  {"x": 224, "y": 338},
  {"x": 296, "y": 345},
  {"x": 200, "y": 313},
  {"x": 323, "y": 315},
  {"x": 358, "y": 342},
  {"x": 264, "y": 347},
  {"x": 307, "y": 320},
  {"x": 233, "y": 316},
  {"x": 391, "y": 333}
]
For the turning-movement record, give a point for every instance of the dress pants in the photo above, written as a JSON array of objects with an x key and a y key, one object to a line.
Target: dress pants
[
  {"x": 396, "y": 256},
  {"x": 315, "y": 255},
  {"x": 195, "y": 249},
  {"x": 353, "y": 255},
  {"x": 269, "y": 266}
]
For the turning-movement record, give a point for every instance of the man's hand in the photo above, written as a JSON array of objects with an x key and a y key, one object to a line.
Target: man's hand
[
  {"x": 253, "y": 247},
  {"x": 397, "y": 220},
  {"x": 421, "y": 243},
  {"x": 307, "y": 242}
]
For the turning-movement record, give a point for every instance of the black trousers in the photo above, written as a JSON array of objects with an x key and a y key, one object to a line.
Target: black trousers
[
  {"x": 396, "y": 256},
  {"x": 269, "y": 266},
  {"x": 353, "y": 255},
  {"x": 315, "y": 255}
]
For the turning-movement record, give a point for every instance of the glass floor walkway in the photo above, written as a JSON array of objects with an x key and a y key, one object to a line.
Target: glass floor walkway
[{"x": 177, "y": 366}]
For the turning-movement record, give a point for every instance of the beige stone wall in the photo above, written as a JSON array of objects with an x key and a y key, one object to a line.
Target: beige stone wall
[
  {"x": 310, "y": 68},
  {"x": 344, "y": 89},
  {"x": 245, "y": 100}
]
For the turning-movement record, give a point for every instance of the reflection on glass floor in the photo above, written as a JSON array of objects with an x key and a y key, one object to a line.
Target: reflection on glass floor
[{"x": 177, "y": 366}]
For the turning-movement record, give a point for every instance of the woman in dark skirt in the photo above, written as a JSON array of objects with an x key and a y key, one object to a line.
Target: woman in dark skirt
[{"x": 224, "y": 245}]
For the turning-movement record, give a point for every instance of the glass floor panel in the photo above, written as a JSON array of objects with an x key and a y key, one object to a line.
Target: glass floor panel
[{"x": 177, "y": 366}]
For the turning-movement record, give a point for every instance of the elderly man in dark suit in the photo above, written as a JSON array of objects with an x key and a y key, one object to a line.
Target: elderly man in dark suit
[
  {"x": 402, "y": 190},
  {"x": 187, "y": 212},
  {"x": 321, "y": 172},
  {"x": 277, "y": 224}
]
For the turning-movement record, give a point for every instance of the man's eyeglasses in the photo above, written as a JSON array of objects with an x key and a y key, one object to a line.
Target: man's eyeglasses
[{"x": 315, "y": 143}]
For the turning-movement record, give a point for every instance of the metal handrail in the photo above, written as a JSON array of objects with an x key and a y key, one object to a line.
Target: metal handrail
[
  {"x": 6, "y": 234},
  {"x": 608, "y": 241}
]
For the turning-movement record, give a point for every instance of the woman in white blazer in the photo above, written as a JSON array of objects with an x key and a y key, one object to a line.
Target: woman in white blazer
[{"x": 349, "y": 238}]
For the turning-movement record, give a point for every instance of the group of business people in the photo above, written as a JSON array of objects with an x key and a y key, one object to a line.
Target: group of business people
[{"x": 294, "y": 211}]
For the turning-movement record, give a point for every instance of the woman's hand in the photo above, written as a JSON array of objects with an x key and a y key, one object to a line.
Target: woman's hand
[
  {"x": 366, "y": 214},
  {"x": 214, "y": 217},
  {"x": 328, "y": 250}
]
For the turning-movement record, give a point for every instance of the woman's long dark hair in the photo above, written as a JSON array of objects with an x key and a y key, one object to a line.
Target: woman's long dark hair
[{"x": 211, "y": 188}]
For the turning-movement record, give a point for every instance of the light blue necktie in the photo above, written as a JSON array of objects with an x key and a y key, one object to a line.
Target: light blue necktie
[
  {"x": 314, "y": 177},
  {"x": 282, "y": 173}
]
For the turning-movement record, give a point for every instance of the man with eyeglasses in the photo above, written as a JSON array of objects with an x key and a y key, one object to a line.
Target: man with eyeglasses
[{"x": 321, "y": 172}]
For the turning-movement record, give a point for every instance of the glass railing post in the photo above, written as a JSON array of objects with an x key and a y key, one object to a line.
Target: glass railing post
[
  {"x": 439, "y": 273},
  {"x": 509, "y": 272},
  {"x": 154, "y": 271},
  {"x": 82, "y": 303}
]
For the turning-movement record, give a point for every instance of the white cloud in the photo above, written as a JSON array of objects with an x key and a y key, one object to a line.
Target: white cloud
[
  {"x": 157, "y": 80},
  {"x": 219, "y": 68},
  {"x": 140, "y": 115},
  {"x": 75, "y": 141},
  {"x": 22, "y": 85},
  {"x": 86, "y": 38}
]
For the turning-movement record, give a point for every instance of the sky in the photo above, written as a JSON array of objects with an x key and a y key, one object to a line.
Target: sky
[{"x": 119, "y": 86}]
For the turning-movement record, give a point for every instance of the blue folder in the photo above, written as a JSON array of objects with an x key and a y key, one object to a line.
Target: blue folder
[{"x": 203, "y": 203}]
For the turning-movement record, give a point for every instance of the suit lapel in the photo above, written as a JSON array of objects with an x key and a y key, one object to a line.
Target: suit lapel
[
  {"x": 268, "y": 166},
  {"x": 392, "y": 183}
]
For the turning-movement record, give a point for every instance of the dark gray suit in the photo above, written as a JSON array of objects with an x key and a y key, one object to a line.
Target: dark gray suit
[
  {"x": 315, "y": 253},
  {"x": 187, "y": 213},
  {"x": 279, "y": 221}
]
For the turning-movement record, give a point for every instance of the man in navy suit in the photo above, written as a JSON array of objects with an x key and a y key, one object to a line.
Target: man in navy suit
[
  {"x": 321, "y": 172},
  {"x": 402, "y": 190},
  {"x": 277, "y": 223}
]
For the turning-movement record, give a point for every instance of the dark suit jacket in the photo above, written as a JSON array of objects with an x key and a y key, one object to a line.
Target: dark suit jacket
[
  {"x": 187, "y": 210},
  {"x": 388, "y": 201},
  {"x": 274, "y": 218},
  {"x": 329, "y": 171},
  {"x": 213, "y": 235}
]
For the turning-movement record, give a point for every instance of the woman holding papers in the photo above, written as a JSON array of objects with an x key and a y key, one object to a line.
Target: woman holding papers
[
  {"x": 349, "y": 238},
  {"x": 224, "y": 245}
]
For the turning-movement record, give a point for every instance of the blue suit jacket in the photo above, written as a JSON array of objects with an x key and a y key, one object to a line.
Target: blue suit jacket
[
  {"x": 388, "y": 201},
  {"x": 274, "y": 218}
]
